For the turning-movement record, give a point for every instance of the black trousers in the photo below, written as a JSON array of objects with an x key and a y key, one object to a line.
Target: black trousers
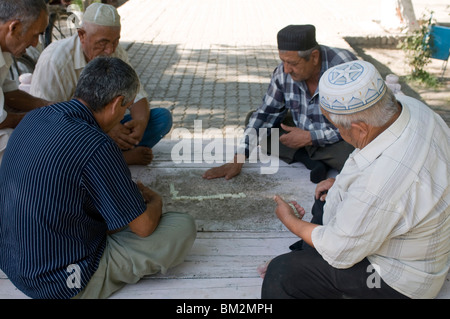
[{"x": 304, "y": 274}]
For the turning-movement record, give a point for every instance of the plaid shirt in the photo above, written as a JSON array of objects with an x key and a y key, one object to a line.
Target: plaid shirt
[{"x": 284, "y": 93}]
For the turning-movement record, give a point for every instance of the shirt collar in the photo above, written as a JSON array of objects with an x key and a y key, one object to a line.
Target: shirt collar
[
  {"x": 76, "y": 109},
  {"x": 374, "y": 149},
  {"x": 4, "y": 57},
  {"x": 79, "y": 59}
]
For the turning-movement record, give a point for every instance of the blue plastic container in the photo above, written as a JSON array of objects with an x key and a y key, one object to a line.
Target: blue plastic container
[{"x": 441, "y": 42}]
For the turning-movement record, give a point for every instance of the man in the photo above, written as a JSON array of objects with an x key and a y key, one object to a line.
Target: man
[
  {"x": 313, "y": 141},
  {"x": 21, "y": 22},
  {"x": 386, "y": 224},
  {"x": 59, "y": 68},
  {"x": 72, "y": 222}
]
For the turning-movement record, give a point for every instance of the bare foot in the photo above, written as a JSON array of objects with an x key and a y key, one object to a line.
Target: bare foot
[
  {"x": 140, "y": 155},
  {"x": 262, "y": 269}
]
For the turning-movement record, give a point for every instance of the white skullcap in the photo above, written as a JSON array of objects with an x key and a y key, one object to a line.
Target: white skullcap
[
  {"x": 350, "y": 87},
  {"x": 102, "y": 14}
]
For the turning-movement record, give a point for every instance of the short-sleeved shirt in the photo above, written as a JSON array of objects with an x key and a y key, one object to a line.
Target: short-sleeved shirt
[
  {"x": 284, "y": 93},
  {"x": 390, "y": 203},
  {"x": 63, "y": 185},
  {"x": 6, "y": 84},
  {"x": 59, "y": 67}
]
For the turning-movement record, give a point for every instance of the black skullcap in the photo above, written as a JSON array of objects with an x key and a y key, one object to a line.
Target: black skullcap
[{"x": 297, "y": 38}]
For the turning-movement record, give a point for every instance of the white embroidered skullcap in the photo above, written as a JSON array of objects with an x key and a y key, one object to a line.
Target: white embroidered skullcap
[
  {"x": 102, "y": 14},
  {"x": 350, "y": 87}
]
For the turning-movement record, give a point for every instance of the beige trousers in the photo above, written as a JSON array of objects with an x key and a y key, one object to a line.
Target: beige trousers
[{"x": 127, "y": 258}]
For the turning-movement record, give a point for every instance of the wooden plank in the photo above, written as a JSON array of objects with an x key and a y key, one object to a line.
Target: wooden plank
[
  {"x": 219, "y": 288},
  {"x": 9, "y": 291},
  {"x": 217, "y": 255},
  {"x": 240, "y": 246}
]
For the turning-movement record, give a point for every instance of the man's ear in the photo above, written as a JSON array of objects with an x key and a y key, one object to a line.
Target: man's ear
[
  {"x": 81, "y": 34},
  {"x": 117, "y": 103},
  {"x": 15, "y": 27},
  {"x": 315, "y": 55},
  {"x": 361, "y": 129}
]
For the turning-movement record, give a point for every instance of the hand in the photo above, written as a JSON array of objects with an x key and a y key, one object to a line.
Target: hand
[
  {"x": 12, "y": 120},
  {"x": 122, "y": 136},
  {"x": 323, "y": 187},
  {"x": 295, "y": 137},
  {"x": 295, "y": 224},
  {"x": 228, "y": 170},
  {"x": 285, "y": 211},
  {"x": 148, "y": 194},
  {"x": 137, "y": 128},
  {"x": 146, "y": 223}
]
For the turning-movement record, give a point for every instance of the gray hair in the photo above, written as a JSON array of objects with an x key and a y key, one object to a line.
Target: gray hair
[
  {"x": 305, "y": 54},
  {"x": 377, "y": 115},
  {"x": 105, "y": 78},
  {"x": 26, "y": 11}
]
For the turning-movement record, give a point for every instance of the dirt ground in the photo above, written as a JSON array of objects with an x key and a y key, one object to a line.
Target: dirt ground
[
  {"x": 392, "y": 61},
  {"x": 243, "y": 203}
]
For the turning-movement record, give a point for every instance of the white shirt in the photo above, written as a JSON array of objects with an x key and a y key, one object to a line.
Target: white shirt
[
  {"x": 390, "y": 203},
  {"x": 6, "y": 84},
  {"x": 59, "y": 67}
]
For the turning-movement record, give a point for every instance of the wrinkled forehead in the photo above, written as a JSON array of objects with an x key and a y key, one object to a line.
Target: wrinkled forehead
[{"x": 101, "y": 31}]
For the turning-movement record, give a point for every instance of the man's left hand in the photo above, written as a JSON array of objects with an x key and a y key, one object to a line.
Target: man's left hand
[
  {"x": 295, "y": 137},
  {"x": 137, "y": 129},
  {"x": 123, "y": 138}
]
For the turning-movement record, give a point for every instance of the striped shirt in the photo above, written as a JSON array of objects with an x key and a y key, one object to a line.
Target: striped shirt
[
  {"x": 390, "y": 203},
  {"x": 63, "y": 185},
  {"x": 284, "y": 93}
]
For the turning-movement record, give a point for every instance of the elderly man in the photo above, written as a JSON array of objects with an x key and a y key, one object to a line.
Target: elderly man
[
  {"x": 21, "y": 22},
  {"x": 59, "y": 68},
  {"x": 385, "y": 231},
  {"x": 72, "y": 222},
  {"x": 313, "y": 140}
]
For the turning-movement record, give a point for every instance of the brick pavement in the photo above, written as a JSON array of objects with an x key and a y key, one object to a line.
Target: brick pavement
[{"x": 211, "y": 60}]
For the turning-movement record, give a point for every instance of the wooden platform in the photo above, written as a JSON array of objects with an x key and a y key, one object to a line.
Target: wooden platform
[{"x": 222, "y": 264}]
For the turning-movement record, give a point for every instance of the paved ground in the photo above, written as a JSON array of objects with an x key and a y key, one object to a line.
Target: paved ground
[{"x": 211, "y": 60}]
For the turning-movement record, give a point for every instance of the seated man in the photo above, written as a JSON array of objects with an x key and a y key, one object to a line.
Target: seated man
[
  {"x": 59, "y": 68},
  {"x": 72, "y": 222},
  {"x": 385, "y": 231},
  {"x": 21, "y": 22},
  {"x": 311, "y": 138}
]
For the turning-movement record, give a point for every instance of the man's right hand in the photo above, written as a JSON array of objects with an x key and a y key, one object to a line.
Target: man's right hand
[
  {"x": 228, "y": 170},
  {"x": 145, "y": 224},
  {"x": 323, "y": 187},
  {"x": 12, "y": 120}
]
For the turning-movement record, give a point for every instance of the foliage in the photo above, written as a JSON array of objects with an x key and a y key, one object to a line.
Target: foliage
[{"x": 417, "y": 47}]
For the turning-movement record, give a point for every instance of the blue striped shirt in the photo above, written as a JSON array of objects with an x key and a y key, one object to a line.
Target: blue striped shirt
[
  {"x": 63, "y": 185},
  {"x": 284, "y": 93}
]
